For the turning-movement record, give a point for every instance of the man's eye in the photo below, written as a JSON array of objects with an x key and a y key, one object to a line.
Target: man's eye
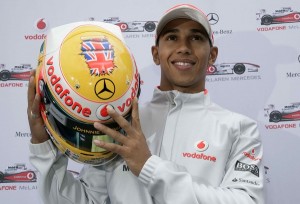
[
  {"x": 197, "y": 37},
  {"x": 171, "y": 37}
]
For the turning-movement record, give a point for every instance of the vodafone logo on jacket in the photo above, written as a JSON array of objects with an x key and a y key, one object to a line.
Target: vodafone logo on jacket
[{"x": 200, "y": 147}]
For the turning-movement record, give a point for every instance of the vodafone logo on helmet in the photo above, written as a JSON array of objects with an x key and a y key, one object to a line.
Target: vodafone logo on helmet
[
  {"x": 102, "y": 112},
  {"x": 64, "y": 95}
]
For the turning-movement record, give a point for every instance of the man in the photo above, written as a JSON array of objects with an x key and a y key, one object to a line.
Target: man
[{"x": 180, "y": 147}]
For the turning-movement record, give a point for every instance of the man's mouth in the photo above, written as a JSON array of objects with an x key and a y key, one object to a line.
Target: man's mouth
[{"x": 183, "y": 64}]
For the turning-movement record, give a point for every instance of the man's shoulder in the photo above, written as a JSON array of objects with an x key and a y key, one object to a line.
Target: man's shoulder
[{"x": 230, "y": 115}]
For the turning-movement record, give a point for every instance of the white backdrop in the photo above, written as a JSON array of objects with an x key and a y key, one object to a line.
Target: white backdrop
[{"x": 241, "y": 37}]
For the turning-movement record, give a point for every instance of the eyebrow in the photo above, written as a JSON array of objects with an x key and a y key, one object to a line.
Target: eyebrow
[{"x": 175, "y": 30}]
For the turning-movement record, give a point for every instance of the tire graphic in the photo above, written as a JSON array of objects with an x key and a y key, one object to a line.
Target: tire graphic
[
  {"x": 150, "y": 26},
  {"x": 4, "y": 75},
  {"x": 1, "y": 177},
  {"x": 239, "y": 68},
  {"x": 266, "y": 20},
  {"x": 275, "y": 116}
]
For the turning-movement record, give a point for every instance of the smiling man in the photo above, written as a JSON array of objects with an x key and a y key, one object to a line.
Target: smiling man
[
  {"x": 179, "y": 148},
  {"x": 183, "y": 51}
]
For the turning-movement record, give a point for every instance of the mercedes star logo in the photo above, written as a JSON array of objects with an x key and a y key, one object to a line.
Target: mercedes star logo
[
  {"x": 104, "y": 89},
  {"x": 213, "y": 18}
]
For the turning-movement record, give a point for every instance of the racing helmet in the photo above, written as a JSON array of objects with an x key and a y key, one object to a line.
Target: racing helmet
[{"x": 83, "y": 68}]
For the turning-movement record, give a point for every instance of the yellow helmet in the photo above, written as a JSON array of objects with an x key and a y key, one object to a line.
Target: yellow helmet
[{"x": 84, "y": 67}]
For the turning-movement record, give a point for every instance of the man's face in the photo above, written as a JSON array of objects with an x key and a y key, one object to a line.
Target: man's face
[{"x": 184, "y": 53}]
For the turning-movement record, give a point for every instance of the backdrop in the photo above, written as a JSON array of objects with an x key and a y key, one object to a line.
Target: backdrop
[{"x": 257, "y": 74}]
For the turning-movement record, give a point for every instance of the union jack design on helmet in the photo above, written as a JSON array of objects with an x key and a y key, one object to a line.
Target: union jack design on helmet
[{"x": 98, "y": 54}]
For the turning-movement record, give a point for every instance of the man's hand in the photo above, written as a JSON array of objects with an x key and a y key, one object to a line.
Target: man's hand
[
  {"x": 133, "y": 147},
  {"x": 36, "y": 123}
]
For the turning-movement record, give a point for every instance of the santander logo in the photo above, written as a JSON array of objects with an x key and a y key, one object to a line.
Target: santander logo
[{"x": 200, "y": 146}]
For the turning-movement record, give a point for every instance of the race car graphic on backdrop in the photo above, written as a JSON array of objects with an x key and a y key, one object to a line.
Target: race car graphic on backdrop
[
  {"x": 133, "y": 26},
  {"x": 19, "y": 72},
  {"x": 231, "y": 68},
  {"x": 288, "y": 113},
  {"x": 283, "y": 15},
  {"x": 17, "y": 173}
]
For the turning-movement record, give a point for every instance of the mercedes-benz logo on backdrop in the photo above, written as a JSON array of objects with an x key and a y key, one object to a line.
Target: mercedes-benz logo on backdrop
[
  {"x": 213, "y": 18},
  {"x": 105, "y": 89}
]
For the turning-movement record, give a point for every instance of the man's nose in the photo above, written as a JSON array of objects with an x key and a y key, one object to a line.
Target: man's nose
[{"x": 184, "y": 47}]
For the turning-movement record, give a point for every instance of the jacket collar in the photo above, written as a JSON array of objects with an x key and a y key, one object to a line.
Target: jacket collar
[{"x": 176, "y": 97}]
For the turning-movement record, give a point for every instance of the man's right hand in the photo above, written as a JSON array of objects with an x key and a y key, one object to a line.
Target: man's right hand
[{"x": 36, "y": 123}]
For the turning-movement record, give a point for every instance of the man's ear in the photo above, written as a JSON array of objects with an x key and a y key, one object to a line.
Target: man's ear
[
  {"x": 154, "y": 50},
  {"x": 213, "y": 55}
]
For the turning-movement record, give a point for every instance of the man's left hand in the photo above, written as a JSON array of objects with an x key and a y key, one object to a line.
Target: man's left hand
[{"x": 133, "y": 147}]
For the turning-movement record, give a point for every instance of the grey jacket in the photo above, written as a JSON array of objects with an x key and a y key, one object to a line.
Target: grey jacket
[{"x": 201, "y": 153}]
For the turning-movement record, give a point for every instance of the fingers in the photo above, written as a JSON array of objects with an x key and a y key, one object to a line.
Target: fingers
[
  {"x": 133, "y": 147},
  {"x": 129, "y": 128},
  {"x": 109, "y": 146},
  {"x": 135, "y": 115},
  {"x": 133, "y": 130},
  {"x": 33, "y": 98},
  {"x": 120, "y": 138},
  {"x": 35, "y": 110},
  {"x": 112, "y": 133},
  {"x": 31, "y": 89},
  {"x": 36, "y": 123},
  {"x": 122, "y": 122}
]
